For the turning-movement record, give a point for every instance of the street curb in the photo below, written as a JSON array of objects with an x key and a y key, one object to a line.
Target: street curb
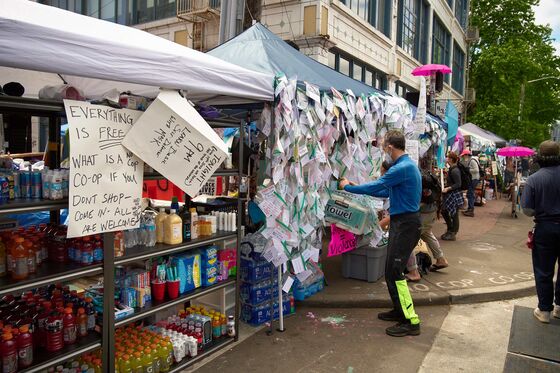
[
  {"x": 494, "y": 293},
  {"x": 465, "y": 296}
]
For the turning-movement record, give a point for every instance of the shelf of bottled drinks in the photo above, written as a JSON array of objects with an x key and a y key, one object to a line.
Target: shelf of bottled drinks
[{"x": 86, "y": 305}]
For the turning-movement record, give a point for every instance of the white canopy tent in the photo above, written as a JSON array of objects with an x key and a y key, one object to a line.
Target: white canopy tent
[{"x": 97, "y": 56}]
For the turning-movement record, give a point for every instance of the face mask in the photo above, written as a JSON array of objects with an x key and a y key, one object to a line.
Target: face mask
[{"x": 388, "y": 157}]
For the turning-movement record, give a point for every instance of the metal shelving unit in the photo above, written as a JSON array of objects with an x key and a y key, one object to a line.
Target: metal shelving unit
[{"x": 59, "y": 272}]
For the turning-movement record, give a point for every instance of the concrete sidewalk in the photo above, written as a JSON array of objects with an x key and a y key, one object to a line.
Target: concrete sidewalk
[{"x": 488, "y": 262}]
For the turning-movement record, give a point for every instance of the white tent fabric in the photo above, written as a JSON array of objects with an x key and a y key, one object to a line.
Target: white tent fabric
[
  {"x": 483, "y": 136},
  {"x": 96, "y": 56}
]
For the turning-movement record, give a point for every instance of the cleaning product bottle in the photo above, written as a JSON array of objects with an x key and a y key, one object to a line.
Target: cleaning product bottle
[
  {"x": 160, "y": 219},
  {"x": 172, "y": 229},
  {"x": 25, "y": 347},
  {"x": 19, "y": 257},
  {"x": 82, "y": 321},
  {"x": 69, "y": 327},
  {"x": 9, "y": 354},
  {"x": 194, "y": 223},
  {"x": 186, "y": 217}
]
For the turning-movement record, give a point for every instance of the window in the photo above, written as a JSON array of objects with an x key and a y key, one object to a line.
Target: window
[
  {"x": 402, "y": 89},
  {"x": 332, "y": 60},
  {"x": 376, "y": 12},
  {"x": 125, "y": 12},
  {"x": 461, "y": 12},
  {"x": 458, "y": 69},
  {"x": 343, "y": 66},
  {"x": 441, "y": 40},
  {"x": 409, "y": 23},
  {"x": 108, "y": 10},
  {"x": 413, "y": 30},
  {"x": 357, "y": 70},
  {"x": 450, "y": 2}
]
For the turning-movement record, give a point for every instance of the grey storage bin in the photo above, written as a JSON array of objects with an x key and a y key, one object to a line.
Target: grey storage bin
[{"x": 365, "y": 263}]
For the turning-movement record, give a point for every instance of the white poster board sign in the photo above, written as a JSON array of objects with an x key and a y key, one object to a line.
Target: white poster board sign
[
  {"x": 412, "y": 149},
  {"x": 177, "y": 142},
  {"x": 105, "y": 179},
  {"x": 420, "y": 117}
]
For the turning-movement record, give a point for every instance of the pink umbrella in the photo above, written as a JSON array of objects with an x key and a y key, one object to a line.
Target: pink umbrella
[
  {"x": 427, "y": 70},
  {"x": 515, "y": 151}
]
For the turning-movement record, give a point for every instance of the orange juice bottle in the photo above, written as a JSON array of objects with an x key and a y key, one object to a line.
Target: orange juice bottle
[{"x": 19, "y": 257}]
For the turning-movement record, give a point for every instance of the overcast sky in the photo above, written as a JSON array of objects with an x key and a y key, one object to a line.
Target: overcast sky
[{"x": 548, "y": 12}]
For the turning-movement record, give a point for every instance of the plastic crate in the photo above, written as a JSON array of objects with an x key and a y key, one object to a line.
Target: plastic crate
[
  {"x": 365, "y": 263},
  {"x": 257, "y": 293},
  {"x": 259, "y": 314},
  {"x": 253, "y": 271}
]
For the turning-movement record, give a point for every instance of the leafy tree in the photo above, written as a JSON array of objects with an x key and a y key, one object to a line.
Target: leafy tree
[{"x": 513, "y": 50}]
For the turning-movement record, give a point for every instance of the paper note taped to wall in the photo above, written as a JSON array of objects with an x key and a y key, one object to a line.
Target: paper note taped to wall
[
  {"x": 177, "y": 142},
  {"x": 105, "y": 179}
]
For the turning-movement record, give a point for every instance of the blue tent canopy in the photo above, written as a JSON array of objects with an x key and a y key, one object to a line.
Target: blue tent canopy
[{"x": 259, "y": 49}]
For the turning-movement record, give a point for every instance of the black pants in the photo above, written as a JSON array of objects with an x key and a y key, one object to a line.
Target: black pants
[
  {"x": 404, "y": 234},
  {"x": 452, "y": 221},
  {"x": 546, "y": 252}
]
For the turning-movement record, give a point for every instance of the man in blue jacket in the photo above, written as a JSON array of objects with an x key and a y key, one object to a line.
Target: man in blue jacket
[{"x": 402, "y": 184}]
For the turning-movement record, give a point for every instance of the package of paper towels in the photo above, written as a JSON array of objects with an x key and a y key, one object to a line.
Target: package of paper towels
[{"x": 347, "y": 211}]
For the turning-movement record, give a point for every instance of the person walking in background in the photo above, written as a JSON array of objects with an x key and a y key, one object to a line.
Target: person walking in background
[
  {"x": 402, "y": 184},
  {"x": 473, "y": 165},
  {"x": 452, "y": 198},
  {"x": 541, "y": 199},
  {"x": 431, "y": 195}
]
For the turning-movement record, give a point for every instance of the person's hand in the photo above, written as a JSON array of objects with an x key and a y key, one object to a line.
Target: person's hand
[
  {"x": 446, "y": 189},
  {"x": 343, "y": 182}
]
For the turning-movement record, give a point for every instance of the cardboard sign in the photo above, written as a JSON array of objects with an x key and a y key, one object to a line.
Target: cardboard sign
[
  {"x": 494, "y": 168},
  {"x": 177, "y": 142},
  {"x": 341, "y": 241},
  {"x": 105, "y": 179}
]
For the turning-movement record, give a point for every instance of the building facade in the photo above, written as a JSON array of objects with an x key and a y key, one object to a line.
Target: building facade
[{"x": 378, "y": 42}]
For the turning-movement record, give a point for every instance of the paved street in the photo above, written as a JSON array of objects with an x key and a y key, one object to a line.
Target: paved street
[{"x": 338, "y": 330}]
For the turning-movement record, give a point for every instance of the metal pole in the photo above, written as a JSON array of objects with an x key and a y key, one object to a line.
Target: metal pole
[
  {"x": 232, "y": 20},
  {"x": 280, "y": 303},
  {"x": 108, "y": 303}
]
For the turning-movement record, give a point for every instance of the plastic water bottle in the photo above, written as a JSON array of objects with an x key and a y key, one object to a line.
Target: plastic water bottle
[
  {"x": 56, "y": 186},
  {"x": 65, "y": 177},
  {"x": 150, "y": 230}
]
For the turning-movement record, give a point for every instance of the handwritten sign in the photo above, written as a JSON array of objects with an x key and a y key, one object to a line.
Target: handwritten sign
[
  {"x": 341, "y": 241},
  {"x": 177, "y": 142},
  {"x": 412, "y": 149},
  {"x": 105, "y": 179},
  {"x": 494, "y": 168},
  {"x": 420, "y": 118}
]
